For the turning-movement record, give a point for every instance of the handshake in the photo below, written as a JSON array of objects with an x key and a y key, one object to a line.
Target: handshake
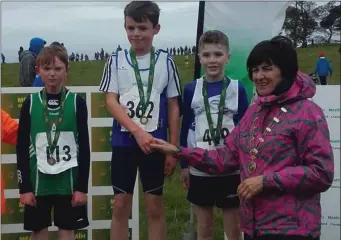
[{"x": 149, "y": 144}]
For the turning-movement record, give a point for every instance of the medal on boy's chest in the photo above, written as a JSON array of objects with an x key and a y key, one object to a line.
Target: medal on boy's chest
[
  {"x": 144, "y": 120},
  {"x": 144, "y": 101},
  {"x": 52, "y": 131},
  {"x": 51, "y": 160}
]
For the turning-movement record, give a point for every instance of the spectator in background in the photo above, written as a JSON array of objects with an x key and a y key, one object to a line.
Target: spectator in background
[
  {"x": 3, "y": 58},
  {"x": 27, "y": 61},
  {"x": 21, "y": 49},
  {"x": 322, "y": 68},
  {"x": 38, "y": 82}
]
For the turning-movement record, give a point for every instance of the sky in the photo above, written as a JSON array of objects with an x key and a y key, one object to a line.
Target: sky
[{"x": 86, "y": 27}]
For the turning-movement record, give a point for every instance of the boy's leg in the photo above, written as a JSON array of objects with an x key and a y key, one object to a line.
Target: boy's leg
[
  {"x": 201, "y": 193},
  {"x": 205, "y": 222},
  {"x": 68, "y": 218},
  {"x": 229, "y": 203},
  {"x": 232, "y": 223},
  {"x": 123, "y": 176},
  {"x": 38, "y": 219},
  {"x": 151, "y": 169}
]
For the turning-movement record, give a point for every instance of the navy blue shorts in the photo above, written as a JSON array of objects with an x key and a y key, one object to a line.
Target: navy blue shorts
[{"x": 126, "y": 161}]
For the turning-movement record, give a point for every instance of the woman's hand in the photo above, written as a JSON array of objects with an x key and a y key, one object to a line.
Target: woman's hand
[
  {"x": 163, "y": 146},
  {"x": 250, "y": 187}
]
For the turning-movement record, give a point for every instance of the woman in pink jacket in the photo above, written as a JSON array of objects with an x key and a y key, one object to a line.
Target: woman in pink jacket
[{"x": 281, "y": 147}]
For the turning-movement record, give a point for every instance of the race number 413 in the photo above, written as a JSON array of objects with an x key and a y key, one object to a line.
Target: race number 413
[
  {"x": 136, "y": 111},
  {"x": 224, "y": 132},
  {"x": 66, "y": 152}
]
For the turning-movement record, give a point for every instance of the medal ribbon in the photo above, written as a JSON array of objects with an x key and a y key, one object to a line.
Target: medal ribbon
[
  {"x": 143, "y": 101},
  {"x": 52, "y": 144},
  {"x": 215, "y": 132}
]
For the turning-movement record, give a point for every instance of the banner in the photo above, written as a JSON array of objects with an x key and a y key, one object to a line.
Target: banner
[
  {"x": 245, "y": 24},
  {"x": 330, "y": 200},
  {"x": 100, "y": 195}
]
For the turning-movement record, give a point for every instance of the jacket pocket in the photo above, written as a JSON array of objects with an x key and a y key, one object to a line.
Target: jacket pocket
[{"x": 276, "y": 211}]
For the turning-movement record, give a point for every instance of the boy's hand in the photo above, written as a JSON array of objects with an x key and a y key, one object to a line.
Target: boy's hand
[
  {"x": 78, "y": 199},
  {"x": 169, "y": 165},
  {"x": 144, "y": 140},
  {"x": 185, "y": 178},
  {"x": 163, "y": 146},
  {"x": 28, "y": 199}
]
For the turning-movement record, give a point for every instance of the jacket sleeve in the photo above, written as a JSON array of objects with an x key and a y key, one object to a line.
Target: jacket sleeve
[
  {"x": 218, "y": 161},
  {"x": 27, "y": 71},
  {"x": 23, "y": 148},
  {"x": 84, "y": 146},
  {"x": 330, "y": 67},
  {"x": 316, "y": 173},
  {"x": 9, "y": 129}
]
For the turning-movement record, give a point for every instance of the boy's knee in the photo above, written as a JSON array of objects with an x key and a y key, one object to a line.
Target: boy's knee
[
  {"x": 154, "y": 207},
  {"x": 122, "y": 206}
]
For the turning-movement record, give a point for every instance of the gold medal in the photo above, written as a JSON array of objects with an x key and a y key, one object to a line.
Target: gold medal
[
  {"x": 252, "y": 167},
  {"x": 51, "y": 161},
  {"x": 144, "y": 120}
]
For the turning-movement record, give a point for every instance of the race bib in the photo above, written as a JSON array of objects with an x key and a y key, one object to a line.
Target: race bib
[
  {"x": 203, "y": 136},
  {"x": 64, "y": 156},
  {"x": 131, "y": 103}
]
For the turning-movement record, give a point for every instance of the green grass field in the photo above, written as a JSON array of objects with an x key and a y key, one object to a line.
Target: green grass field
[{"x": 90, "y": 73}]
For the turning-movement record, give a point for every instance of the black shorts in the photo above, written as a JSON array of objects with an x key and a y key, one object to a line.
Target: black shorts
[
  {"x": 220, "y": 192},
  {"x": 124, "y": 164},
  {"x": 66, "y": 216}
]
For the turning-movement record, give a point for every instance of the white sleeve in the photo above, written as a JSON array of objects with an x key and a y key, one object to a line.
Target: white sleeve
[
  {"x": 173, "y": 88},
  {"x": 109, "y": 81}
]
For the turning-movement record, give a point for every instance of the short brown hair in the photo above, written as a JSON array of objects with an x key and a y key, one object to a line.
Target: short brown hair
[
  {"x": 48, "y": 54},
  {"x": 142, "y": 11},
  {"x": 214, "y": 37}
]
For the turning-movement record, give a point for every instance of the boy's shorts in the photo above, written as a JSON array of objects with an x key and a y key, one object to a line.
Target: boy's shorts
[
  {"x": 220, "y": 192},
  {"x": 124, "y": 164},
  {"x": 65, "y": 216}
]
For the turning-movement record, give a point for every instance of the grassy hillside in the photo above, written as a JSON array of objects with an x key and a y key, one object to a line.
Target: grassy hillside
[{"x": 90, "y": 73}]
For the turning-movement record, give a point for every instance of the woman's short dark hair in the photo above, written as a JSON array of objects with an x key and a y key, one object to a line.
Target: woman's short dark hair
[
  {"x": 279, "y": 53},
  {"x": 285, "y": 39}
]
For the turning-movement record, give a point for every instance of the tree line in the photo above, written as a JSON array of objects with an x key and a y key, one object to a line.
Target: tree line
[{"x": 306, "y": 22}]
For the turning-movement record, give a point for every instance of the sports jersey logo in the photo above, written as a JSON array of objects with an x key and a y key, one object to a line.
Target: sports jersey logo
[
  {"x": 122, "y": 68},
  {"x": 53, "y": 102}
]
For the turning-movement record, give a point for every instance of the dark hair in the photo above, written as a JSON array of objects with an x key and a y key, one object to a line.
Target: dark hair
[
  {"x": 284, "y": 39},
  {"x": 272, "y": 52},
  {"x": 47, "y": 56},
  {"x": 142, "y": 11},
  {"x": 214, "y": 37}
]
